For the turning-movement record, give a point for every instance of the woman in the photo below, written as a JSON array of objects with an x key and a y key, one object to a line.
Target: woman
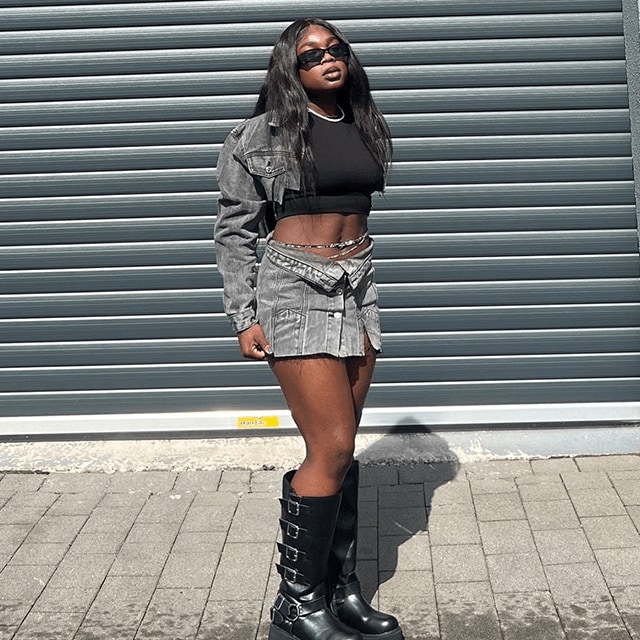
[{"x": 305, "y": 165}]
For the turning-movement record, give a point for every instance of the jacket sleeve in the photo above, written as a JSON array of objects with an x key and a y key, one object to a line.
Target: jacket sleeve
[{"x": 241, "y": 208}]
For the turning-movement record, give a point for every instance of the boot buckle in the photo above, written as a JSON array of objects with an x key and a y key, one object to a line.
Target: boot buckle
[
  {"x": 293, "y": 530},
  {"x": 293, "y": 508},
  {"x": 291, "y": 554},
  {"x": 289, "y": 610}
]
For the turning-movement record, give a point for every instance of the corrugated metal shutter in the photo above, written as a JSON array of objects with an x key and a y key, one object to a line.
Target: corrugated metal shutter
[{"x": 507, "y": 250}]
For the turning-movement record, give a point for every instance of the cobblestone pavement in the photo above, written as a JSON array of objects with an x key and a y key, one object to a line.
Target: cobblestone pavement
[{"x": 512, "y": 550}]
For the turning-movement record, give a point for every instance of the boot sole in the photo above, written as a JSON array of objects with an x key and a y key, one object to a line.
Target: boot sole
[
  {"x": 276, "y": 633},
  {"x": 394, "y": 634}
]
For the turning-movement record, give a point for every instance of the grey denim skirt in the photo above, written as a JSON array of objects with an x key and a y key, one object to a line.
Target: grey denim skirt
[{"x": 309, "y": 305}]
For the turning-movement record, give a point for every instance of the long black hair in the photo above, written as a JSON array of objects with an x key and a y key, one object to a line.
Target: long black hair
[{"x": 284, "y": 98}]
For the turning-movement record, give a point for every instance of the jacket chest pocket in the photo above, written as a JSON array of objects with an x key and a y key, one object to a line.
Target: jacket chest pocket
[{"x": 276, "y": 172}]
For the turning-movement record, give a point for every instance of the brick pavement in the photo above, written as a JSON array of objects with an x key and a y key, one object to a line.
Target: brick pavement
[{"x": 501, "y": 550}]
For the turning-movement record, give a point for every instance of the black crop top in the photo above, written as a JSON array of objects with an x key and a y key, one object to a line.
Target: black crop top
[{"x": 347, "y": 173}]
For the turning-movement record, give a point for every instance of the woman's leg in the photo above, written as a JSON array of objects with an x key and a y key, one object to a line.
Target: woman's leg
[{"x": 325, "y": 396}]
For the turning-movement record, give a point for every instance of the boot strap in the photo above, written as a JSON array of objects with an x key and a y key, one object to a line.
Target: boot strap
[
  {"x": 291, "y": 610},
  {"x": 353, "y": 588},
  {"x": 291, "y": 575}
]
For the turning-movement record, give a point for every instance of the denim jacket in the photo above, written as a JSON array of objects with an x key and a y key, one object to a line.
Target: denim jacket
[{"x": 254, "y": 169}]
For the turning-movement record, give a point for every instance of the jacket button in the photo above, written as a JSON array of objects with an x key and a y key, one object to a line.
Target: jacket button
[{"x": 337, "y": 314}]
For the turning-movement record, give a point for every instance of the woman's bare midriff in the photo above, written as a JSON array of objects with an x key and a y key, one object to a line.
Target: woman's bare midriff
[{"x": 323, "y": 228}]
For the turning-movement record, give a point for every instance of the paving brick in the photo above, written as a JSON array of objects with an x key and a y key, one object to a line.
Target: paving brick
[
  {"x": 455, "y": 492},
  {"x": 453, "y": 529},
  {"x": 66, "y": 482},
  {"x": 378, "y": 476},
  {"x": 481, "y": 485},
  {"x": 12, "y": 536},
  {"x": 458, "y": 563},
  {"x": 133, "y": 501},
  {"x": 411, "y": 495},
  {"x": 467, "y": 610},
  {"x": 516, "y": 572},
  {"x": 561, "y": 546},
  {"x": 402, "y": 554},
  {"x": 193, "y": 481},
  {"x": 368, "y": 543},
  {"x": 266, "y": 482},
  {"x": 98, "y": 543},
  {"x": 12, "y": 613},
  {"x": 232, "y": 582},
  {"x": 634, "y": 514},
  {"x": 507, "y": 536},
  {"x": 75, "y": 504},
  {"x": 554, "y": 465},
  {"x": 163, "y": 533},
  {"x": 235, "y": 481},
  {"x": 66, "y": 600},
  {"x": 32, "y": 499},
  {"x": 528, "y": 616},
  {"x": 118, "y": 593},
  {"x": 538, "y": 478},
  {"x": 558, "y": 514},
  {"x": 61, "y": 626},
  {"x": 215, "y": 517},
  {"x": 586, "y": 480},
  {"x": 591, "y": 620},
  {"x": 628, "y": 490},
  {"x": 142, "y": 481},
  {"x": 397, "y": 585},
  {"x": 135, "y": 559},
  {"x": 407, "y": 521},
  {"x": 433, "y": 472},
  {"x": 14, "y": 482},
  {"x": 110, "y": 520},
  {"x": 596, "y": 502},
  {"x": 231, "y": 620},
  {"x": 611, "y": 532},
  {"x": 505, "y": 468},
  {"x": 418, "y": 617},
  {"x": 255, "y": 519},
  {"x": 571, "y": 583},
  {"x": 608, "y": 463},
  {"x": 174, "y": 614},
  {"x": 47, "y": 553},
  {"x": 7, "y": 632},
  {"x": 21, "y": 515},
  {"x": 621, "y": 567},
  {"x": 81, "y": 571},
  {"x": 165, "y": 508},
  {"x": 23, "y": 583},
  {"x": 185, "y": 570},
  {"x": 199, "y": 542},
  {"x": 543, "y": 492},
  {"x": 627, "y": 600},
  {"x": 501, "y": 506},
  {"x": 368, "y": 514},
  {"x": 62, "y": 529}
]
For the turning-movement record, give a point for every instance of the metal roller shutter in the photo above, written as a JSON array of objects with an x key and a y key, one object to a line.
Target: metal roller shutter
[{"x": 507, "y": 255}]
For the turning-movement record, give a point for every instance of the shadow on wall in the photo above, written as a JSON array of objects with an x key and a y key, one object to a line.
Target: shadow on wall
[{"x": 397, "y": 497}]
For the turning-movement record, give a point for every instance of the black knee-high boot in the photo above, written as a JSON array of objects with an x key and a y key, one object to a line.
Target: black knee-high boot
[
  {"x": 345, "y": 592},
  {"x": 301, "y": 611}
]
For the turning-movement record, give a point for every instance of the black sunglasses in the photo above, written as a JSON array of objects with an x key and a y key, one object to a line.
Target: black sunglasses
[{"x": 314, "y": 57}]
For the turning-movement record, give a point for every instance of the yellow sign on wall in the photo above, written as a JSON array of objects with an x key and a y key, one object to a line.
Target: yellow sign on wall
[{"x": 258, "y": 422}]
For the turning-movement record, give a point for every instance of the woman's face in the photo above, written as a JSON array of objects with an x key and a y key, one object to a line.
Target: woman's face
[{"x": 330, "y": 74}]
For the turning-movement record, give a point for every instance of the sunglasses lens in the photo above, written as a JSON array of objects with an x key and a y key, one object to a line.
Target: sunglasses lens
[
  {"x": 314, "y": 56},
  {"x": 339, "y": 50}
]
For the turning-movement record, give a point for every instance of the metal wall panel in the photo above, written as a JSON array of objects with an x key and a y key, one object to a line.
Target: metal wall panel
[{"x": 507, "y": 252}]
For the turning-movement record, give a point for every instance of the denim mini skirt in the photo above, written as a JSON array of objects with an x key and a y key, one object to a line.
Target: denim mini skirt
[{"x": 310, "y": 305}]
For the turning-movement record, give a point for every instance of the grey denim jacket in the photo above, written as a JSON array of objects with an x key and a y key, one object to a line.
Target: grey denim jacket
[{"x": 253, "y": 171}]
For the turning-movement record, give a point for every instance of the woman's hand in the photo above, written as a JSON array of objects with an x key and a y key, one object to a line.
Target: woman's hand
[{"x": 253, "y": 343}]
